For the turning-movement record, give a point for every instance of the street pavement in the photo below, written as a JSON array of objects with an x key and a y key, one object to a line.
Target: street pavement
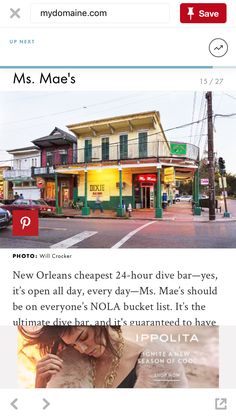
[{"x": 128, "y": 233}]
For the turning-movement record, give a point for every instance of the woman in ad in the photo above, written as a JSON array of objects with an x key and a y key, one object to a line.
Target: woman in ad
[{"x": 101, "y": 357}]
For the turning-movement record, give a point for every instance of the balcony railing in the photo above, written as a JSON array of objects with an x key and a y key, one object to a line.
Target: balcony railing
[
  {"x": 17, "y": 174},
  {"x": 129, "y": 151},
  {"x": 132, "y": 150},
  {"x": 38, "y": 171},
  {"x": 192, "y": 152}
]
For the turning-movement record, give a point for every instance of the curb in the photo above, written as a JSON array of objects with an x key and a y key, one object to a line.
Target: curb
[{"x": 172, "y": 219}]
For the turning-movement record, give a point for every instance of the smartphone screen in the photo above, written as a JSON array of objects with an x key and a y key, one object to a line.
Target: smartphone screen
[{"x": 117, "y": 208}]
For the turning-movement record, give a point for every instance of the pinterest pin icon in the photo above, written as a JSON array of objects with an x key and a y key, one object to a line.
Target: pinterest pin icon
[
  {"x": 25, "y": 223},
  {"x": 190, "y": 12}
]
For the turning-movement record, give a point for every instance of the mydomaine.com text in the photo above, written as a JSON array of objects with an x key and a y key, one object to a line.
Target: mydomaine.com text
[{"x": 73, "y": 13}]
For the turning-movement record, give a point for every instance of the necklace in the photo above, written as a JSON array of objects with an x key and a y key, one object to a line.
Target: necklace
[{"x": 115, "y": 363}]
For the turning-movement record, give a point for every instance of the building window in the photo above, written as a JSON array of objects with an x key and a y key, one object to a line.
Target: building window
[
  {"x": 18, "y": 164},
  {"x": 88, "y": 151},
  {"x": 33, "y": 162},
  {"x": 49, "y": 158},
  {"x": 142, "y": 144},
  {"x": 105, "y": 148},
  {"x": 74, "y": 154},
  {"x": 63, "y": 157},
  {"x": 124, "y": 146}
]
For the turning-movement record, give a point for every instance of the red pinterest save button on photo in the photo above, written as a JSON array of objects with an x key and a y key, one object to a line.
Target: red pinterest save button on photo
[{"x": 203, "y": 13}]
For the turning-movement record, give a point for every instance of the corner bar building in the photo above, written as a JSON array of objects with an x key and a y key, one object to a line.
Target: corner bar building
[{"x": 127, "y": 160}]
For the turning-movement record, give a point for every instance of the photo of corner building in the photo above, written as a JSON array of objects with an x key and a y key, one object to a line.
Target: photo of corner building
[
  {"x": 107, "y": 177},
  {"x": 123, "y": 162}
]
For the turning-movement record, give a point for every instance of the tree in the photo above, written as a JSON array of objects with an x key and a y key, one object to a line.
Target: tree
[
  {"x": 186, "y": 188},
  {"x": 231, "y": 184}
]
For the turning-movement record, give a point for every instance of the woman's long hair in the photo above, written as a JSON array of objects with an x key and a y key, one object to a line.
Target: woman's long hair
[{"x": 49, "y": 338}]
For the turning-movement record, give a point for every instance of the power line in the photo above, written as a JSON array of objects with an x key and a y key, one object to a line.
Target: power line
[
  {"x": 163, "y": 131},
  {"x": 135, "y": 139},
  {"x": 69, "y": 110},
  {"x": 87, "y": 107},
  {"x": 203, "y": 125},
  {"x": 193, "y": 112},
  {"x": 227, "y": 94},
  {"x": 200, "y": 116},
  {"x": 221, "y": 115}
]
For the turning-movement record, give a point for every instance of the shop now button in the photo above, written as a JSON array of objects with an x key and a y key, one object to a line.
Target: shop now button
[{"x": 203, "y": 13}]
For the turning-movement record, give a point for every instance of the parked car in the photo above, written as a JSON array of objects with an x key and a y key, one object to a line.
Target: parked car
[
  {"x": 5, "y": 218},
  {"x": 30, "y": 204},
  {"x": 184, "y": 198}
]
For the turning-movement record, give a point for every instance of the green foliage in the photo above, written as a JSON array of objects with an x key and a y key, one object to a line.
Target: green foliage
[
  {"x": 186, "y": 188},
  {"x": 231, "y": 184}
]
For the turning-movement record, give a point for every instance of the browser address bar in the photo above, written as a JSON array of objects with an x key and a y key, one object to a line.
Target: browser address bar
[{"x": 100, "y": 13}]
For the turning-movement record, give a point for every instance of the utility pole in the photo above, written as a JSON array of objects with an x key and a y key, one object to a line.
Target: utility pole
[{"x": 211, "y": 163}]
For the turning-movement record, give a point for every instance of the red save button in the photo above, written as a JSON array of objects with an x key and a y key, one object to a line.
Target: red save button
[{"x": 203, "y": 13}]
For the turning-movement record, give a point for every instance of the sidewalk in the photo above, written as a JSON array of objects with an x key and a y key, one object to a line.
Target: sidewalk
[{"x": 180, "y": 212}]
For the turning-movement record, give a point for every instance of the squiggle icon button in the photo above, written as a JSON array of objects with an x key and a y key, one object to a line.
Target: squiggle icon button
[{"x": 25, "y": 222}]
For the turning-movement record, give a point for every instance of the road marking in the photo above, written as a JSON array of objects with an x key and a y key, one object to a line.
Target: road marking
[
  {"x": 129, "y": 235},
  {"x": 73, "y": 240}
]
